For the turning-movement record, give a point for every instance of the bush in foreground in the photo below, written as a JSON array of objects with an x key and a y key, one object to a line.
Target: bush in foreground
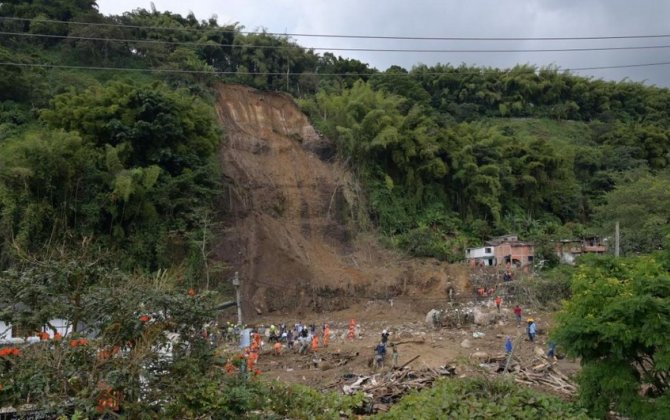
[{"x": 481, "y": 398}]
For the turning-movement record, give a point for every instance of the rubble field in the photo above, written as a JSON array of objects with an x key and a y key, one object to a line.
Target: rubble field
[{"x": 426, "y": 352}]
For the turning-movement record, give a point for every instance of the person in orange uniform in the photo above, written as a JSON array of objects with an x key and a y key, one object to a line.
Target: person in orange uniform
[
  {"x": 257, "y": 341},
  {"x": 252, "y": 359},
  {"x": 326, "y": 335},
  {"x": 315, "y": 343},
  {"x": 352, "y": 329},
  {"x": 498, "y": 302}
]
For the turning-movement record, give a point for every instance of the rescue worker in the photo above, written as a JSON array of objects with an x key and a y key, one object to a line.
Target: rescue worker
[
  {"x": 273, "y": 334},
  {"x": 257, "y": 343},
  {"x": 531, "y": 329},
  {"x": 394, "y": 355},
  {"x": 380, "y": 352},
  {"x": 517, "y": 314},
  {"x": 304, "y": 344},
  {"x": 289, "y": 339},
  {"x": 498, "y": 302},
  {"x": 507, "y": 276},
  {"x": 385, "y": 337},
  {"x": 508, "y": 344},
  {"x": 315, "y": 343},
  {"x": 551, "y": 352},
  {"x": 326, "y": 335}
]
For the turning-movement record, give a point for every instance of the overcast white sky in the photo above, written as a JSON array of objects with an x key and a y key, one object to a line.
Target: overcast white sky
[{"x": 455, "y": 18}]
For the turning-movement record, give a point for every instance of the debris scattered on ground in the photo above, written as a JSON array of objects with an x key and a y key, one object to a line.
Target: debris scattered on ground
[
  {"x": 546, "y": 374},
  {"x": 541, "y": 372},
  {"x": 454, "y": 316},
  {"x": 385, "y": 389}
]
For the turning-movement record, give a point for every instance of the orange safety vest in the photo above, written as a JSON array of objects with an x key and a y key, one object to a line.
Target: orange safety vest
[
  {"x": 315, "y": 343},
  {"x": 326, "y": 337}
]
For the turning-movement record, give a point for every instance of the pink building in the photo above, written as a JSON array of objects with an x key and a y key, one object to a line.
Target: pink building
[
  {"x": 505, "y": 251},
  {"x": 510, "y": 251}
]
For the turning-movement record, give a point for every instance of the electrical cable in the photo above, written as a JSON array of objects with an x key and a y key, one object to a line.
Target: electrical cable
[
  {"x": 410, "y": 74},
  {"x": 396, "y": 50},
  {"x": 346, "y": 36}
]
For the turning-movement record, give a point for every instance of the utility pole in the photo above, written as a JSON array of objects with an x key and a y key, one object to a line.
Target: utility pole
[
  {"x": 236, "y": 283},
  {"x": 616, "y": 239}
]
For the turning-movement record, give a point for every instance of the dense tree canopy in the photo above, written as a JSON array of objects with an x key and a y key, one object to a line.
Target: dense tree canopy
[
  {"x": 117, "y": 166},
  {"x": 120, "y": 161},
  {"x": 617, "y": 322}
]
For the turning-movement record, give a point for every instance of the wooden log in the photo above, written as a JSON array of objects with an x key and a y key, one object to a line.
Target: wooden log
[
  {"x": 410, "y": 361},
  {"x": 541, "y": 367}
]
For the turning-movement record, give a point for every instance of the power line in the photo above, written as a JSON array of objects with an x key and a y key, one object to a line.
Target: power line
[
  {"x": 212, "y": 73},
  {"x": 397, "y": 50},
  {"x": 349, "y": 36},
  {"x": 624, "y": 66}
]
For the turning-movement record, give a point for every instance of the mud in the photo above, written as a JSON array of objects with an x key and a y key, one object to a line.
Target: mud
[{"x": 294, "y": 230}]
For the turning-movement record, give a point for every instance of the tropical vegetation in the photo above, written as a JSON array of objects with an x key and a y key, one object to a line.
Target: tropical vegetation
[{"x": 110, "y": 182}]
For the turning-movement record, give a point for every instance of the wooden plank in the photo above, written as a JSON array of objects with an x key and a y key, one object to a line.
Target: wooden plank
[{"x": 410, "y": 361}]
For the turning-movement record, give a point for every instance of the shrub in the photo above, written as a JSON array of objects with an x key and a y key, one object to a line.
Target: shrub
[{"x": 481, "y": 398}]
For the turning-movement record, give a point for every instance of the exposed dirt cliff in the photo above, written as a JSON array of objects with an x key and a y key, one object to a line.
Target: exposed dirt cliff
[{"x": 291, "y": 211}]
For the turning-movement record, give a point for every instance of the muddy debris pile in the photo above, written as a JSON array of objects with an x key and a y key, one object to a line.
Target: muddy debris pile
[{"x": 384, "y": 390}]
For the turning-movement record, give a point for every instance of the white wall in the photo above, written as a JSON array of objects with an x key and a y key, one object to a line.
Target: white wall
[
  {"x": 567, "y": 258},
  {"x": 5, "y": 331},
  {"x": 63, "y": 326},
  {"x": 480, "y": 252}
]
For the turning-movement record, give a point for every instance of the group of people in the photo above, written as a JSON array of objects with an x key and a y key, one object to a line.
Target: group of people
[
  {"x": 306, "y": 337},
  {"x": 301, "y": 337},
  {"x": 531, "y": 327},
  {"x": 380, "y": 351}
]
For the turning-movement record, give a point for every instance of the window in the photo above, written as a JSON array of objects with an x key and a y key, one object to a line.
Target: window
[
  {"x": 530, "y": 258},
  {"x": 487, "y": 250}
]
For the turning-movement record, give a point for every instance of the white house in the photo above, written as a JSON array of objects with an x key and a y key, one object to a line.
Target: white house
[
  {"x": 5, "y": 331},
  {"x": 9, "y": 334},
  {"x": 481, "y": 256},
  {"x": 62, "y": 326}
]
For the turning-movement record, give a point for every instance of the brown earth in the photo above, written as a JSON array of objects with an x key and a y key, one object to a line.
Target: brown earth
[
  {"x": 294, "y": 218},
  {"x": 295, "y": 233},
  {"x": 435, "y": 347}
]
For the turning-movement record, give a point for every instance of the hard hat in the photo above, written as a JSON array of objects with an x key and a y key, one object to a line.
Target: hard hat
[
  {"x": 531, "y": 320},
  {"x": 384, "y": 332}
]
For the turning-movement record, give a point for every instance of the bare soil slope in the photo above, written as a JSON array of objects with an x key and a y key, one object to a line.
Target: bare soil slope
[{"x": 292, "y": 225}]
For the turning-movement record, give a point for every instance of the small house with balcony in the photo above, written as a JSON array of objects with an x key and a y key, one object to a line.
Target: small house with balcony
[{"x": 568, "y": 250}]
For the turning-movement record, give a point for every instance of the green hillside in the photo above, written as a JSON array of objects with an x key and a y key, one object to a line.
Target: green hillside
[
  {"x": 110, "y": 187},
  {"x": 448, "y": 155}
]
